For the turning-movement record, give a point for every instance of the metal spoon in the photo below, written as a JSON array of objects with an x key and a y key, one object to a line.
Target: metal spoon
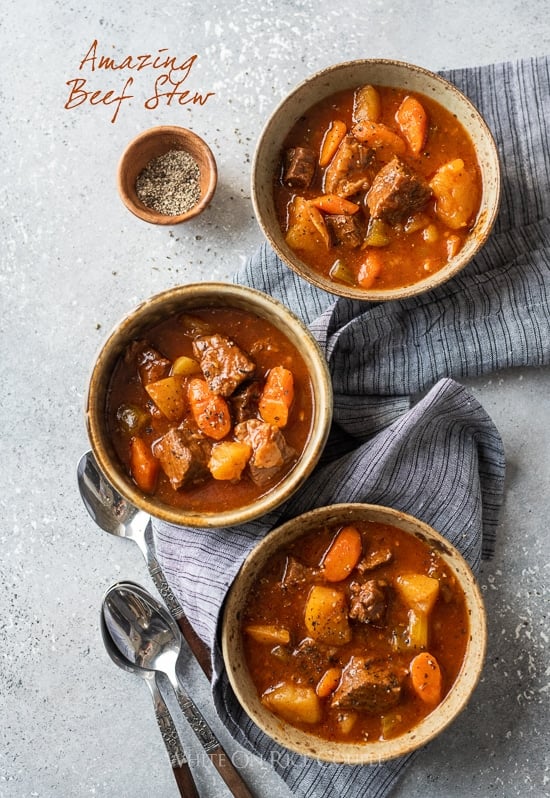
[
  {"x": 115, "y": 515},
  {"x": 178, "y": 760},
  {"x": 149, "y": 638}
]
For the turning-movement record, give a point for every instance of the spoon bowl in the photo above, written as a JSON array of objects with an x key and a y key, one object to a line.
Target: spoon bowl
[
  {"x": 178, "y": 760},
  {"x": 118, "y": 517},
  {"x": 106, "y": 506},
  {"x": 142, "y": 630},
  {"x": 150, "y": 641}
]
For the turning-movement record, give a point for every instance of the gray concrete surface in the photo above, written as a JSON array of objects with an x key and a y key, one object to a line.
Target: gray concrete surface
[{"x": 73, "y": 260}]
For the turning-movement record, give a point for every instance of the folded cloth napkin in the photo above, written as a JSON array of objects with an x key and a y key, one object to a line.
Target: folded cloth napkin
[{"x": 405, "y": 432}]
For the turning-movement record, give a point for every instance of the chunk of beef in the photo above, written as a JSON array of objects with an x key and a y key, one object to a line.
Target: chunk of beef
[
  {"x": 369, "y": 685},
  {"x": 223, "y": 363},
  {"x": 296, "y": 573},
  {"x": 151, "y": 365},
  {"x": 397, "y": 192},
  {"x": 270, "y": 450},
  {"x": 183, "y": 455},
  {"x": 244, "y": 403},
  {"x": 299, "y": 167},
  {"x": 368, "y": 601},
  {"x": 349, "y": 172},
  {"x": 193, "y": 325},
  {"x": 346, "y": 229},
  {"x": 310, "y": 660},
  {"x": 374, "y": 559}
]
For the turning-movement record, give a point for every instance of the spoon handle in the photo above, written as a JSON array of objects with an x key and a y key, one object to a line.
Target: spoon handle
[
  {"x": 184, "y": 780},
  {"x": 178, "y": 760},
  {"x": 229, "y": 773},
  {"x": 210, "y": 744},
  {"x": 198, "y": 647}
]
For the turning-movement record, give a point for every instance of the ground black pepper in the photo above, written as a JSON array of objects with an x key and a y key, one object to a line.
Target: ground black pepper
[{"x": 169, "y": 183}]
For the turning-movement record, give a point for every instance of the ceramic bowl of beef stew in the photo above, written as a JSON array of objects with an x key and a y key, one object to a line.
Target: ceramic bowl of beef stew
[
  {"x": 354, "y": 633},
  {"x": 376, "y": 180},
  {"x": 208, "y": 405}
]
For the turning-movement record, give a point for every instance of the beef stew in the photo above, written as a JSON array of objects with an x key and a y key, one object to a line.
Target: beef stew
[
  {"x": 378, "y": 188},
  {"x": 354, "y": 633},
  {"x": 209, "y": 410}
]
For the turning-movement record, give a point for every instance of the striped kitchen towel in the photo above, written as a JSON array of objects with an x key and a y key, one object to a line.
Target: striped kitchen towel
[{"x": 406, "y": 433}]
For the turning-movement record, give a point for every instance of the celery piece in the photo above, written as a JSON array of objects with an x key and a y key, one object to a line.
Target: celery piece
[
  {"x": 418, "y": 630},
  {"x": 377, "y": 234},
  {"x": 340, "y": 271}
]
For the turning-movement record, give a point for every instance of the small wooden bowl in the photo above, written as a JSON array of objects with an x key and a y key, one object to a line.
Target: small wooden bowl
[{"x": 151, "y": 144}]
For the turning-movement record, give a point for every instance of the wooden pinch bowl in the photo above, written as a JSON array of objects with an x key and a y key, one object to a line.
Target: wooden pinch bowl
[
  {"x": 152, "y": 143},
  {"x": 308, "y": 744}
]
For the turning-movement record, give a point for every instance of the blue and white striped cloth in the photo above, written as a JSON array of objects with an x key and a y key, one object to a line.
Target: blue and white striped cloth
[{"x": 406, "y": 433}]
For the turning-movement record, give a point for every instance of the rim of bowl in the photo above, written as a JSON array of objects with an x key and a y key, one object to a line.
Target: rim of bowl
[
  {"x": 353, "y": 753},
  {"x": 181, "y": 138},
  {"x": 196, "y": 295},
  {"x": 470, "y": 118}
]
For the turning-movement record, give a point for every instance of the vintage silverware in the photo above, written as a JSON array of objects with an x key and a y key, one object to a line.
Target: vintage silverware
[
  {"x": 178, "y": 760},
  {"x": 149, "y": 638},
  {"x": 115, "y": 515}
]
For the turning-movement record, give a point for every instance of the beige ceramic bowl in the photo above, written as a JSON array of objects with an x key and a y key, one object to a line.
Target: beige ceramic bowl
[
  {"x": 187, "y": 298},
  {"x": 151, "y": 144},
  {"x": 309, "y": 745},
  {"x": 353, "y": 74}
]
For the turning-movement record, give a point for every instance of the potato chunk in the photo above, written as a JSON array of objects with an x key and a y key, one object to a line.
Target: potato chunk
[
  {"x": 268, "y": 633},
  {"x": 293, "y": 702},
  {"x": 168, "y": 396},
  {"x": 228, "y": 459},
  {"x": 326, "y": 615},
  {"x": 185, "y": 366},
  {"x": 455, "y": 191},
  {"x": 303, "y": 233},
  {"x": 418, "y": 591}
]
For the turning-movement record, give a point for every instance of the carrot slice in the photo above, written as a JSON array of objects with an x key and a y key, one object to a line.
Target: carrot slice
[
  {"x": 413, "y": 123},
  {"x": 343, "y": 554},
  {"x": 370, "y": 269},
  {"x": 144, "y": 466},
  {"x": 328, "y": 682},
  {"x": 331, "y": 141},
  {"x": 210, "y": 411},
  {"x": 426, "y": 678},
  {"x": 277, "y": 396},
  {"x": 333, "y": 203}
]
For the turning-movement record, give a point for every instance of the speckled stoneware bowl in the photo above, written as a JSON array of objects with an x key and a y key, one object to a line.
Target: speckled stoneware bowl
[
  {"x": 186, "y": 298},
  {"x": 152, "y": 143},
  {"x": 381, "y": 72},
  {"x": 377, "y": 750}
]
